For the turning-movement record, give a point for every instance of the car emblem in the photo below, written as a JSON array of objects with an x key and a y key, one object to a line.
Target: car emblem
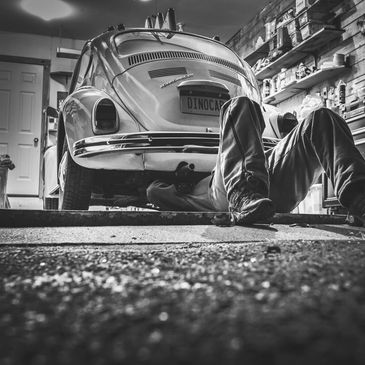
[{"x": 187, "y": 76}]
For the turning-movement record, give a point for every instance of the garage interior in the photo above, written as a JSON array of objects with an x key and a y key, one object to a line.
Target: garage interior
[
  {"x": 150, "y": 287},
  {"x": 296, "y": 48}
]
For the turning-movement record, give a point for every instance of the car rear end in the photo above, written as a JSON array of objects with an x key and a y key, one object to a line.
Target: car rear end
[{"x": 173, "y": 85}]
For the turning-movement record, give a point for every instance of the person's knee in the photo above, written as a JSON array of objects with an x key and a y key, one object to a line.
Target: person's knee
[
  {"x": 242, "y": 101},
  {"x": 320, "y": 117},
  {"x": 239, "y": 109}
]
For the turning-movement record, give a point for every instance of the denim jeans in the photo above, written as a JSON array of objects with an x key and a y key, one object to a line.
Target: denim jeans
[{"x": 322, "y": 142}]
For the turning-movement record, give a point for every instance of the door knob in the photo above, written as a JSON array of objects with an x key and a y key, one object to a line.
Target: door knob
[{"x": 35, "y": 140}]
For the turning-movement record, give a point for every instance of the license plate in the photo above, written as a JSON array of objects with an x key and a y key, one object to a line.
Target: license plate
[{"x": 202, "y": 105}]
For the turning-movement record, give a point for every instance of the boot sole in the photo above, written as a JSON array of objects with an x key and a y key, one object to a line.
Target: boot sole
[{"x": 261, "y": 212}]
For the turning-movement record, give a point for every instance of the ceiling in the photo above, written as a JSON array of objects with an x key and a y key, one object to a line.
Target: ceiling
[{"x": 91, "y": 17}]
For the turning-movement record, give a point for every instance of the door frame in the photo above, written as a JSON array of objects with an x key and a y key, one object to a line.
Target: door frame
[{"x": 45, "y": 102}]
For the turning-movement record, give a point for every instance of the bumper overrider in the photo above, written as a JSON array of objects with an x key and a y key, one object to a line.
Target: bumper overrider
[{"x": 143, "y": 142}]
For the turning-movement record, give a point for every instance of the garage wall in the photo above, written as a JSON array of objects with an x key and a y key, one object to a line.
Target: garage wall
[
  {"x": 41, "y": 47},
  {"x": 351, "y": 44},
  {"x": 28, "y": 47},
  {"x": 244, "y": 41}
]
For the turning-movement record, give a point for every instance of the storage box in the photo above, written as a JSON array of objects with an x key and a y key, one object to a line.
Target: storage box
[
  {"x": 310, "y": 28},
  {"x": 293, "y": 26},
  {"x": 283, "y": 40},
  {"x": 273, "y": 43},
  {"x": 308, "y": 16},
  {"x": 270, "y": 29},
  {"x": 302, "y": 4},
  {"x": 296, "y": 38}
]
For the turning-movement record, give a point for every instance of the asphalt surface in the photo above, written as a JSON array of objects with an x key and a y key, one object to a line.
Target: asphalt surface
[{"x": 264, "y": 302}]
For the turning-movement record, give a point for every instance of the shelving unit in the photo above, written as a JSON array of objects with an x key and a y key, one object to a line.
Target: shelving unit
[
  {"x": 303, "y": 84},
  {"x": 308, "y": 46},
  {"x": 263, "y": 50},
  {"x": 57, "y": 74},
  {"x": 259, "y": 52},
  {"x": 63, "y": 77}
]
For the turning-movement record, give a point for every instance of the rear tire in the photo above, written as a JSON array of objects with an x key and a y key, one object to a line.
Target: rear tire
[{"x": 76, "y": 192}]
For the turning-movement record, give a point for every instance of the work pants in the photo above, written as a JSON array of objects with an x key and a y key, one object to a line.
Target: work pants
[{"x": 322, "y": 142}]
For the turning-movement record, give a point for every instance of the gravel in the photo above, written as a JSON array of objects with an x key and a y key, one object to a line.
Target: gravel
[{"x": 259, "y": 303}]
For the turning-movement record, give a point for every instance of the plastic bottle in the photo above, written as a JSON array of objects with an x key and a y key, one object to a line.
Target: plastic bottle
[
  {"x": 267, "y": 87},
  {"x": 341, "y": 92}
]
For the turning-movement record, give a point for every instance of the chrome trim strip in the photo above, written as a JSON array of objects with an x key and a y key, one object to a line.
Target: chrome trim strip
[
  {"x": 142, "y": 136},
  {"x": 225, "y": 77},
  {"x": 359, "y": 141},
  {"x": 154, "y": 142},
  {"x": 358, "y": 131},
  {"x": 97, "y": 150}
]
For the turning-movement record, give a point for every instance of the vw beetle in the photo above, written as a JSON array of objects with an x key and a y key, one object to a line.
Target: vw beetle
[{"x": 142, "y": 101}]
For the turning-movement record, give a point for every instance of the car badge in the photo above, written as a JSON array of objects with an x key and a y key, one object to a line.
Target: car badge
[{"x": 187, "y": 76}]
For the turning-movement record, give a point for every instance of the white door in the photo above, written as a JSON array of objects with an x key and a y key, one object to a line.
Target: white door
[{"x": 20, "y": 124}]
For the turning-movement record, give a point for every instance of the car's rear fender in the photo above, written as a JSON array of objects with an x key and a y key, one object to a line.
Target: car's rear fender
[{"x": 77, "y": 117}]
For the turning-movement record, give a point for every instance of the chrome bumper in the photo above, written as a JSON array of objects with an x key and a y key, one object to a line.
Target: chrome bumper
[
  {"x": 206, "y": 143},
  {"x": 154, "y": 142}
]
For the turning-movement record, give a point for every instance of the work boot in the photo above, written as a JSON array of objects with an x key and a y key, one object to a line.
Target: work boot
[
  {"x": 250, "y": 203},
  {"x": 357, "y": 207}
]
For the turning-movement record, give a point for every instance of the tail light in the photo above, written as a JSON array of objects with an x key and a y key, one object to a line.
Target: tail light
[{"x": 105, "y": 118}]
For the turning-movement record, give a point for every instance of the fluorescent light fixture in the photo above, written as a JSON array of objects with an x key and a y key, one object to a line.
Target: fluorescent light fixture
[{"x": 47, "y": 9}]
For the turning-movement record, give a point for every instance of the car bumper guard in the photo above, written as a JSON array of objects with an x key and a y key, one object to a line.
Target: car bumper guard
[
  {"x": 148, "y": 142},
  {"x": 206, "y": 143}
]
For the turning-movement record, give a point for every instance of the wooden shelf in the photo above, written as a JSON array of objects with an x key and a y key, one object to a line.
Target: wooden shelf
[
  {"x": 308, "y": 46},
  {"x": 61, "y": 74},
  {"x": 258, "y": 53},
  {"x": 304, "y": 84},
  {"x": 321, "y": 6}
]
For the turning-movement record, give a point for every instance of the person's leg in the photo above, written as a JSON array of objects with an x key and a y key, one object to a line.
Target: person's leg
[
  {"x": 240, "y": 180},
  {"x": 322, "y": 142},
  {"x": 165, "y": 196}
]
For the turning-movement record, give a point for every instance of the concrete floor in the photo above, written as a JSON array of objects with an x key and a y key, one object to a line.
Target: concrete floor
[
  {"x": 155, "y": 297},
  {"x": 182, "y": 294},
  {"x": 126, "y": 235}
]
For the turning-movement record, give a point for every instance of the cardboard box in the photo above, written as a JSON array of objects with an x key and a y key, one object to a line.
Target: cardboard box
[
  {"x": 308, "y": 16},
  {"x": 293, "y": 26},
  {"x": 270, "y": 29},
  {"x": 273, "y": 43},
  {"x": 310, "y": 28},
  {"x": 296, "y": 38},
  {"x": 283, "y": 40}
]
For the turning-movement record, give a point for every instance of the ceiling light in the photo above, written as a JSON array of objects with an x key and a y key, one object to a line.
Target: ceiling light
[{"x": 47, "y": 9}]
